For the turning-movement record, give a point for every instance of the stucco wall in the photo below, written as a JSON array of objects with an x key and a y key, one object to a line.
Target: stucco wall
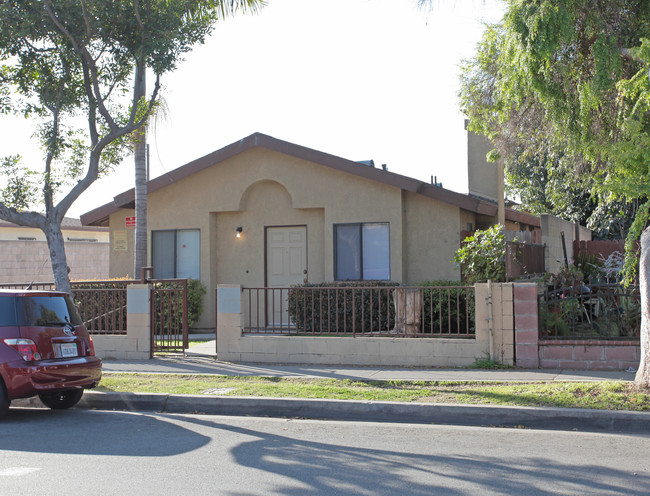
[
  {"x": 481, "y": 174},
  {"x": 431, "y": 238},
  {"x": 551, "y": 237},
  {"x": 122, "y": 239}
]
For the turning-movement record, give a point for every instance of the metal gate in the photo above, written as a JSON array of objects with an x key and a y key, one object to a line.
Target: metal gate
[{"x": 168, "y": 316}]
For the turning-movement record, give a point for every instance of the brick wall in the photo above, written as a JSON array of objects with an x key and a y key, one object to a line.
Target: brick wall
[
  {"x": 589, "y": 354},
  {"x": 25, "y": 261},
  {"x": 526, "y": 325}
]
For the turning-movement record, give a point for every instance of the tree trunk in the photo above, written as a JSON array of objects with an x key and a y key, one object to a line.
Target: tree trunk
[
  {"x": 56, "y": 246},
  {"x": 140, "y": 152},
  {"x": 643, "y": 372}
]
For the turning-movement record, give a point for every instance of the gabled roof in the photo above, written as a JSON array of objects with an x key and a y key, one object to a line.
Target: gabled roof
[{"x": 100, "y": 215}]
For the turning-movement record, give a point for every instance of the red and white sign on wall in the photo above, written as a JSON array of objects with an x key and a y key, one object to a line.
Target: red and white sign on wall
[{"x": 130, "y": 222}]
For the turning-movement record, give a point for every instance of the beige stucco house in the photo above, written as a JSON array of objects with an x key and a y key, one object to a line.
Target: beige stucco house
[{"x": 262, "y": 212}]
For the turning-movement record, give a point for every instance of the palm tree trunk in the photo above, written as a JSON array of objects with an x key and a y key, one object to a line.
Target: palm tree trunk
[{"x": 140, "y": 148}]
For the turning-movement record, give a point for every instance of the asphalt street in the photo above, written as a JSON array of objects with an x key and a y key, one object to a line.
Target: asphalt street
[{"x": 79, "y": 452}]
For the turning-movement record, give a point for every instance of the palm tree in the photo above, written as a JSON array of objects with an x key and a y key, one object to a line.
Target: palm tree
[{"x": 221, "y": 9}]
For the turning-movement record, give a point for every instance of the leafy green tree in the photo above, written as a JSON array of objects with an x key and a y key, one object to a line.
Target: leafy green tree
[
  {"x": 571, "y": 77},
  {"x": 482, "y": 257},
  {"x": 63, "y": 59}
]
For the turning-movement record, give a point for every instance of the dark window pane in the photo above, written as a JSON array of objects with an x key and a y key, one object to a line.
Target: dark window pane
[
  {"x": 163, "y": 251},
  {"x": 7, "y": 311},
  {"x": 46, "y": 310},
  {"x": 348, "y": 252}
]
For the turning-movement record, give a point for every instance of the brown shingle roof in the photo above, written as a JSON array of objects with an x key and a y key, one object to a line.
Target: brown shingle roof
[{"x": 99, "y": 216}]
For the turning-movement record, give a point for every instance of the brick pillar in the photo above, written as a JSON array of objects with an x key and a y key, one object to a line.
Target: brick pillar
[{"x": 526, "y": 325}]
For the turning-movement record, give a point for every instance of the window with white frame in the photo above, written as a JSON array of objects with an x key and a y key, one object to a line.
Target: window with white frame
[
  {"x": 176, "y": 253},
  {"x": 362, "y": 251}
]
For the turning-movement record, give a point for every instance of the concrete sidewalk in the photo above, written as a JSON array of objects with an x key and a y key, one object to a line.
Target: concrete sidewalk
[
  {"x": 198, "y": 361},
  {"x": 196, "y": 364},
  {"x": 202, "y": 359}
]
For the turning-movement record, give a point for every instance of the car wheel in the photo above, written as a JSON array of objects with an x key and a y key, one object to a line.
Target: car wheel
[
  {"x": 60, "y": 400},
  {"x": 4, "y": 399}
]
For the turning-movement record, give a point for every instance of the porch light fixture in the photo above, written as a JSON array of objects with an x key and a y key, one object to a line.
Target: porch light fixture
[{"x": 238, "y": 231}]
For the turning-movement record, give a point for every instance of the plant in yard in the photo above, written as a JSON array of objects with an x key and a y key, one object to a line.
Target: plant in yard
[
  {"x": 195, "y": 293},
  {"x": 552, "y": 322},
  {"x": 567, "y": 277},
  {"x": 445, "y": 305},
  {"x": 589, "y": 265},
  {"x": 487, "y": 363},
  {"x": 482, "y": 256},
  {"x": 169, "y": 304},
  {"x": 341, "y": 308}
]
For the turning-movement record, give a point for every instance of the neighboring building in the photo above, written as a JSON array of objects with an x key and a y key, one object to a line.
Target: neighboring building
[
  {"x": 265, "y": 212},
  {"x": 25, "y": 257}
]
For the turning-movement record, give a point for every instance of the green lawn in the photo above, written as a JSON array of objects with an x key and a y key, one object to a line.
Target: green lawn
[{"x": 600, "y": 395}]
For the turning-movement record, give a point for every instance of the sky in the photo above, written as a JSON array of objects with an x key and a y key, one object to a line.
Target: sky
[{"x": 360, "y": 79}]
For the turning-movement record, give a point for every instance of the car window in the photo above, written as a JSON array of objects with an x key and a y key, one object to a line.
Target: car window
[
  {"x": 47, "y": 311},
  {"x": 7, "y": 311}
]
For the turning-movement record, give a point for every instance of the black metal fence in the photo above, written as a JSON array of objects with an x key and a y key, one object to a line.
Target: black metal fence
[
  {"x": 427, "y": 311},
  {"x": 597, "y": 311}
]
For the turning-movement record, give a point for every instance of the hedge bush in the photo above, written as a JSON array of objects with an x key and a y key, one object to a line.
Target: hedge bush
[
  {"x": 372, "y": 308},
  {"x": 453, "y": 308},
  {"x": 341, "y": 309}
]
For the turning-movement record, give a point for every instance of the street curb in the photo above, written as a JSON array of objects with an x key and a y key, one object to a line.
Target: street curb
[{"x": 373, "y": 411}]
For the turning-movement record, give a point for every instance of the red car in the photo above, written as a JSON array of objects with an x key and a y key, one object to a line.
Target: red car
[{"x": 45, "y": 349}]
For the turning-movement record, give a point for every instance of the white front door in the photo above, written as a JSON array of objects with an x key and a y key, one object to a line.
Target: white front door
[{"x": 286, "y": 264}]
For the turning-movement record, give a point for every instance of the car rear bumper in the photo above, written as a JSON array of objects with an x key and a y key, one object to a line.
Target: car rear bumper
[{"x": 25, "y": 379}]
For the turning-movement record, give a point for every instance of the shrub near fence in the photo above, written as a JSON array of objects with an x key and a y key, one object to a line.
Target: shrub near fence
[
  {"x": 442, "y": 309},
  {"x": 600, "y": 311},
  {"x": 342, "y": 307},
  {"x": 448, "y": 309}
]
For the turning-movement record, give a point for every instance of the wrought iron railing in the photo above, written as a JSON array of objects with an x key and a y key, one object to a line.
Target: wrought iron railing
[
  {"x": 169, "y": 315},
  {"x": 427, "y": 311},
  {"x": 102, "y": 305},
  {"x": 596, "y": 311}
]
